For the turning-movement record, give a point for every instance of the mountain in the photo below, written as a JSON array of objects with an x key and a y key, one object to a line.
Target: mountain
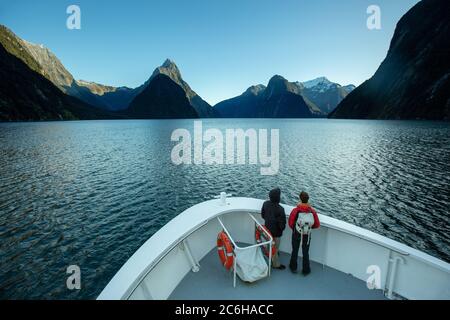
[
  {"x": 117, "y": 99},
  {"x": 326, "y": 95},
  {"x": 320, "y": 95},
  {"x": 243, "y": 106},
  {"x": 413, "y": 81},
  {"x": 26, "y": 95},
  {"x": 158, "y": 88},
  {"x": 349, "y": 88},
  {"x": 170, "y": 69},
  {"x": 162, "y": 98},
  {"x": 107, "y": 97},
  {"x": 42, "y": 60},
  {"x": 280, "y": 99}
]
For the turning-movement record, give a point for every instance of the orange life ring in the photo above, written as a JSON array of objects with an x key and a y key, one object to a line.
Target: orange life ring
[
  {"x": 225, "y": 250},
  {"x": 260, "y": 233}
]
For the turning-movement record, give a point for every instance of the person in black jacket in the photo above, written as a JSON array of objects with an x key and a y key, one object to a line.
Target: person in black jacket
[{"x": 275, "y": 220}]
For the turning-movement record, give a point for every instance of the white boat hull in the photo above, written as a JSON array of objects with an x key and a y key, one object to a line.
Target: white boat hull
[{"x": 156, "y": 269}]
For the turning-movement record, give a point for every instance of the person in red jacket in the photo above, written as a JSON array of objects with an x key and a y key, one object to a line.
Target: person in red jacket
[{"x": 302, "y": 208}]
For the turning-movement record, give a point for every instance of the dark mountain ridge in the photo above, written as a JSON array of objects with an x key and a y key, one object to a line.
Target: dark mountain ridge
[
  {"x": 163, "y": 98},
  {"x": 280, "y": 99},
  {"x": 413, "y": 81}
]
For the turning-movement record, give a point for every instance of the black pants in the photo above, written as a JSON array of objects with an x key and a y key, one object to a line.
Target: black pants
[{"x": 305, "y": 252}]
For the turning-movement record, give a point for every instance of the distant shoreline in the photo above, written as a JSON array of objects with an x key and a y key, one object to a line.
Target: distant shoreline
[{"x": 193, "y": 119}]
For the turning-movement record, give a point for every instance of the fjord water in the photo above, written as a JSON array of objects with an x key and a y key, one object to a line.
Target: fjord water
[{"x": 90, "y": 193}]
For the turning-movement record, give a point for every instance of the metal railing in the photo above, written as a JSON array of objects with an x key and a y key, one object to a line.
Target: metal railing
[{"x": 236, "y": 247}]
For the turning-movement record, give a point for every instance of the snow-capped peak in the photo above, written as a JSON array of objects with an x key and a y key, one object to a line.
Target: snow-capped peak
[{"x": 323, "y": 81}]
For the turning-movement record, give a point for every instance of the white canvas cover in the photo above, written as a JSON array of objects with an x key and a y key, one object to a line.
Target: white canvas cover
[{"x": 251, "y": 265}]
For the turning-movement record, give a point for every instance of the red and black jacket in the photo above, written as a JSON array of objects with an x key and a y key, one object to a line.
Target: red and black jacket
[{"x": 303, "y": 208}]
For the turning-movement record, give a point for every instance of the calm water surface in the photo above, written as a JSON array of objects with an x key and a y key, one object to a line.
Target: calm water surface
[{"x": 90, "y": 193}]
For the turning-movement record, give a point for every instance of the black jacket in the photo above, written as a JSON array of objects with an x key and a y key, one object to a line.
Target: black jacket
[{"x": 273, "y": 214}]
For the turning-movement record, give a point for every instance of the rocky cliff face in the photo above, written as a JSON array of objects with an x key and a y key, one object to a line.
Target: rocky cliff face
[
  {"x": 42, "y": 60},
  {"x": 413, "y": 82},
  {"x": 50, "y": 65},
  {"x": 26, "y": 95}
]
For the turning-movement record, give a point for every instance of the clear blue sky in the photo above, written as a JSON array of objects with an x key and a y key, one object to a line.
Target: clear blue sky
[{"x": 221, "y": 47}]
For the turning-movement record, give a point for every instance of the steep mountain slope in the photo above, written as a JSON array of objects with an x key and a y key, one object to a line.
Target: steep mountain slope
[
  {"x": 162, "y": 98},
  {"x": 280, "y": 99},
  {"x": 27, "y": 95},
  {"x": 50, "y": 65},
  {"x": 151, "y": 95},
  {"x": 413, "y": 82},
  {"x": 14, "y": 45},
  {"x": 170, "y": 69},
  {"x": 43, "y": 61}
]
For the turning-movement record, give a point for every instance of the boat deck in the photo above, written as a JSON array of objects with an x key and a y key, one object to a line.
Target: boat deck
[{"x": 214, "y": 282}]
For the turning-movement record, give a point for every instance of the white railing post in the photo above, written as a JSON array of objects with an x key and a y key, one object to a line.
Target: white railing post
[
  {"x": 195, "y": 265},
  {"x": 234, "y": 271},
  {"x": 270, "y": 258},
  {"x": 392, "y": 274}
]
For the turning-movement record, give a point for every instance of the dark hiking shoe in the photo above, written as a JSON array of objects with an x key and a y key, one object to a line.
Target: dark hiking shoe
[{"x": 281, "y": 267}]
